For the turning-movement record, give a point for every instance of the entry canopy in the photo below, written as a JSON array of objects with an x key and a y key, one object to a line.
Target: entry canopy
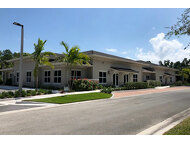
[
  {"x": 124, "y": 69},
  {"x": 148, "y": 70}
]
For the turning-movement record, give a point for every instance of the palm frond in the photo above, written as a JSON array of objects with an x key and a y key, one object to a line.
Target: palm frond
[{"x": 65, "y": 45}]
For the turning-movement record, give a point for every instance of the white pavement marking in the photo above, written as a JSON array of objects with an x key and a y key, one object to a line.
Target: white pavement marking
[{"x": 167, "y": 124}]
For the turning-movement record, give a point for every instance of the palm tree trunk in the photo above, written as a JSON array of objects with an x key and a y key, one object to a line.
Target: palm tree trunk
[
  {"x": 36, "y": 77},
  {"x": 69, "y": 82},
  {"x": 37, "y": 83}
]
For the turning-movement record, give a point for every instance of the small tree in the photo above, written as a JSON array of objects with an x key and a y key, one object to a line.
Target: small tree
[
  {"x": 182, "y": 27},
  {"x": 40, "y": 58},
  {"x": 73, "y": 57},
  {"x": 185, "y": 72}
]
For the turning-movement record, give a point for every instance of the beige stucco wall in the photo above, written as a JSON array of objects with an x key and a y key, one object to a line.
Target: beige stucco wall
[
  {"x": 161, "y": 71},
  {"x": 64, "y": 74},
  {"x": 102, "y": 64},
  {"x": 99, "y": 64},
  {"x": 28, "y": 66}
]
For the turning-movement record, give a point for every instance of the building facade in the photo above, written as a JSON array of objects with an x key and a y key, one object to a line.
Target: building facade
[{"x": 107, "y": 69}]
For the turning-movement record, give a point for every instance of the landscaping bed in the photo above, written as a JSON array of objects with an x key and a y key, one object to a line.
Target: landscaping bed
[
  {"x": 182, "y": 128},
  {"x": 15, "y": 94},
  {"x": 74, "y": 98}
]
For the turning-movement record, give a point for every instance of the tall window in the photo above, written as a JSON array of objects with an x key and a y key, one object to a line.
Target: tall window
[
  {"x": 17, "y": 77},
  {"x": 57, "y": 76},
  {"x": 135, "y": 78},
  {"x": 126, "y": 78},
  {"x": 47, "y": 77},
  {"x": 28, "y": 76},
  {"x": 102, "y": 77},
  {"x": 161, "y": 79},
  {"x": 170, "y": 79},
  {"x": 75, "y": 74},
  {"x": 147, "y": 77}
]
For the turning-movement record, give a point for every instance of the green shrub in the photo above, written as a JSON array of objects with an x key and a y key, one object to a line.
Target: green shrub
[
  {"x": 153, "y": 83},
  {"x": 136, "y": 85},
  {"x": 107, "y": 90},
  {"x": 44, "y": 91},
  {"x": 85, "y": 85},
  {"x": 178, "y": 83},
  {"x": 11, "y": 94},
  {"x": 17, "y": 94},
  {"x": 49, "y": 92},
  {"x": 23, "y": 94},
  {"x": 1, "y": 96},
  {"x": 5, "y": 94},
  {"x": 33, "y": 93}
]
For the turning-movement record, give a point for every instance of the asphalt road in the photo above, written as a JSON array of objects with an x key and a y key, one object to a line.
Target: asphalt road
[
  {"x": 4, "y": 108},
  {"x": 111, "y": 116}
]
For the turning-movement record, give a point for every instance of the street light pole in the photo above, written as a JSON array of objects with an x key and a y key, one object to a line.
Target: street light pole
[{"x": 21, "y": 56}]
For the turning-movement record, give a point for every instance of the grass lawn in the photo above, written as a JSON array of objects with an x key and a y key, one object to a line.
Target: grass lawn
[
  {"x": 74, "y": 98},
  {"x": 182, "y": 128}
]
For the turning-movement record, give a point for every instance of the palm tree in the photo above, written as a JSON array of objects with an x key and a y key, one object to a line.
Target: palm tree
[
  {"x": 40, "y": 58},
  {"x": 73, "y": 57}
]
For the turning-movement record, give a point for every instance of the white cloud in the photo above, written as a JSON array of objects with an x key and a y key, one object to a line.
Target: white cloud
[
  {"x": 124, "y": 52},
  {"x": 163, "y": 50},
  {"x": 112, "y": 50}
]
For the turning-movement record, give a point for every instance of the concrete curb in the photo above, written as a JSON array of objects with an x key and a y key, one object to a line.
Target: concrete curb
[
  {"x": 164, "y": 126},
  {"x": 161, "y": 87}
]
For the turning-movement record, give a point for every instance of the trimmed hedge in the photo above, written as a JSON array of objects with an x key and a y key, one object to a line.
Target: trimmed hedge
[
  {"x": 132, "y": 85},
  {"x": 16, "y": 94},
  {"x": 181, "y": 83},
  {"x": 136, "y": 85},
  {"x": 153, "y": 83},
  {"x": 85, "y": 85}
]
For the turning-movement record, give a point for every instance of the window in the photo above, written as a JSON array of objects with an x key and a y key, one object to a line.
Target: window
[
  {"x": 147, "y": 77},
  {"x": 57, "y": 76},
  {"x": 161, "y": 79},
  {"x": 126, "y": 78},
  {"x": 47, "y": 77},
  {"x": 17, "y": 77},
  {"x": 102, "y": 77},
  {"x": 75, "y": 74},
  {"x": 28, "y": 76},
  {"x": 135, "y": 78},
  {"x": 170, "y": 79},
  {"x": 11, "y": 75}
]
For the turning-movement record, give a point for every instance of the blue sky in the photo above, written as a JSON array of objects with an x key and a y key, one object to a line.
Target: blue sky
[{"x": 123, "y": 32}]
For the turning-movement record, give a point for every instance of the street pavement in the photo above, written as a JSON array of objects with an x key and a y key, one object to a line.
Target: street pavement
[{"x": 116, "y": 116}]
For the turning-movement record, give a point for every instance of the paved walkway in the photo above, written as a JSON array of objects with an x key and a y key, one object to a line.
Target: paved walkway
[{"x": 146, "y": 91}]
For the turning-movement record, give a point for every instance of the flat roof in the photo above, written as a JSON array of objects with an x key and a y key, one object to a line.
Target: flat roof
[{"x": 92, "y": 52}]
